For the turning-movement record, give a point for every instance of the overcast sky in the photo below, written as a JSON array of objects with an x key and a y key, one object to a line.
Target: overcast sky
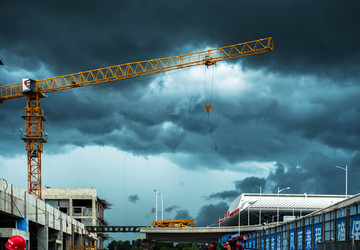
[{"x": 278, "y": 119}]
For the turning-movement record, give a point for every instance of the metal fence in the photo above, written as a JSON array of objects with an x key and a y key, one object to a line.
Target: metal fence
[{"x": 337, "y": 228}]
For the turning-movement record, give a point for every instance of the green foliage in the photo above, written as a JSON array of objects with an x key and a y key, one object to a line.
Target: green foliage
[
  {"x": 170, "y": 246},
  {"x": 184, "y": 247},
  {"x": 125, "y": 245},
  {"x": 119, "y": 245},
  {"x": 163, "y": 246},
  {"x": 190, "y": 248}
]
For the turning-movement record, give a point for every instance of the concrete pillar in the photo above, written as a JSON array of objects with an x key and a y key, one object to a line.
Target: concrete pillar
[
  {"x": 69, "y": 240},
  {"x": 59, "y": 235},
  {"x": 70, "y": 207},
  {"x": 81, "y": 240},
  {"x": 42, "y": 237},
  {"x": 66, "y": 241},
  {"x": 76, "y": 239},
  {"x": 93, "y": 212},
  {"x": 72, "y": 234},
  {"x": 59, "y": 241}
]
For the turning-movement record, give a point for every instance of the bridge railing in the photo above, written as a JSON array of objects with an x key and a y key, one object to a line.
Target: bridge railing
[{"x": 114, "y": 229}]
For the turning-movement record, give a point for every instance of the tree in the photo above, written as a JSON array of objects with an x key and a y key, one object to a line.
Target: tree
[{"x": 119, "y": 245}]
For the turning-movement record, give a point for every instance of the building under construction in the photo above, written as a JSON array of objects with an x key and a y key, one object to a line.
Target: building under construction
[{"x": 58, "y": 222}]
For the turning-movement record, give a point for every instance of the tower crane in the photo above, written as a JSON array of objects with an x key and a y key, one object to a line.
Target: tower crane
[{"x": 34, "y": 135}]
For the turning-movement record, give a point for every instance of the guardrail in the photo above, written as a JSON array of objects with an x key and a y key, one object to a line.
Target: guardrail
[{"x": 114, "y": 229}]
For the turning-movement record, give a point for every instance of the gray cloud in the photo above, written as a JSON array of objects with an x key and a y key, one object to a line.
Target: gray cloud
[
  {"x": 248, "y": 184},
  {"x": 133, "y": 198},
  {"x": 171, "y": 208},
  {"x": 224, "y": 195},
  {"x": 300, "y": 178},
  {"x": 209, "y": 214},
  {"x": 182, "y": 214},
  {"x": 313, "y": 46},
  {"x": 297, "y": 106}
]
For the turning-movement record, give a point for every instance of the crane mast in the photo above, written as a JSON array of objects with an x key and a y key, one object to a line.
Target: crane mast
[{"x": 34, "y": 135}]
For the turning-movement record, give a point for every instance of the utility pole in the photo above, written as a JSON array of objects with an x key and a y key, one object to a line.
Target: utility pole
[
  {"x": 156, "y": 213},
  {"x": 346, "y": 178},
  {"x": 279, "y": 190},
  {"x": 239, "y": 220},
  {"x": 260, "y": 204},
  {"x": 162, "y": 206}
]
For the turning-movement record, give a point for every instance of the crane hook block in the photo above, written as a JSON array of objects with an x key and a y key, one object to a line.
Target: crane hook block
[
  {"x": 208, "y": 61},
  {"x": 207, "y": 107}
]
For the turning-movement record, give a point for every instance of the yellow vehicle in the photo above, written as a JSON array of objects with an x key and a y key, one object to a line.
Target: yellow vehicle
[{"x": 174, "y": 223}]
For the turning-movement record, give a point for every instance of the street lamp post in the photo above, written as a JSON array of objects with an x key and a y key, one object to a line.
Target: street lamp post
[
  {"x": 239, "y": 221},
  {"x": 260, "y": 204},
  {"x": 156, "y": 213},
  {"x": 162, "y": 206},
  {"x": 279, "y": 190},
  {"x": 346, "y": 178}
]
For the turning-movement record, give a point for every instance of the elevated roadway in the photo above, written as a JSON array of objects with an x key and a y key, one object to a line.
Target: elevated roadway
[
  {"x": 194, "y": 234},
  {"x": 178, "y": 234}
]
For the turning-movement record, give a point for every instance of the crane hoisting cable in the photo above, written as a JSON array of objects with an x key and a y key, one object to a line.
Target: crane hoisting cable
[
  {"x": 211, "y": 130},
  {"x": 209, "y": 106}
]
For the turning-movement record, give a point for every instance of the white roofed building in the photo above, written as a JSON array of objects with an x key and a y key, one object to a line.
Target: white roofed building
[{"x": 268, "y": 206}]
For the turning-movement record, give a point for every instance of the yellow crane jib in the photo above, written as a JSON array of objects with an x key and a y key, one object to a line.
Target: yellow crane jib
[
  {"x": 135, "y": 69},
  {"x": 34, "y": 135}
]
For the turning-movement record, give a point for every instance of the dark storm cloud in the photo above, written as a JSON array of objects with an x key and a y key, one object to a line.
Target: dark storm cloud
[
  {"x": 11, "y": 122},
  {"x": 301, "y": 111},
  {"x": 309, "y": 36},
  {"x": 133, "y": 198},
  {"x": 152, "y": 210},
  {"x": 249, "y": 183},
  {"x": 209, "y": 214},
  {"x": 224, "y": 195},
  {"x": 355, "y": 161},
  {"x": 317, "y": 176},
  {"x": 182, "y": 214},
  {"x": 171, "y": 208},
  {"x": 323, "y": 179}
]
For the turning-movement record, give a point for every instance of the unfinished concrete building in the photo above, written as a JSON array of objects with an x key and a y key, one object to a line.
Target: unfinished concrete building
[
  {"x": 82, "y": 204},
  {"x": 40, "y": 224}
]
